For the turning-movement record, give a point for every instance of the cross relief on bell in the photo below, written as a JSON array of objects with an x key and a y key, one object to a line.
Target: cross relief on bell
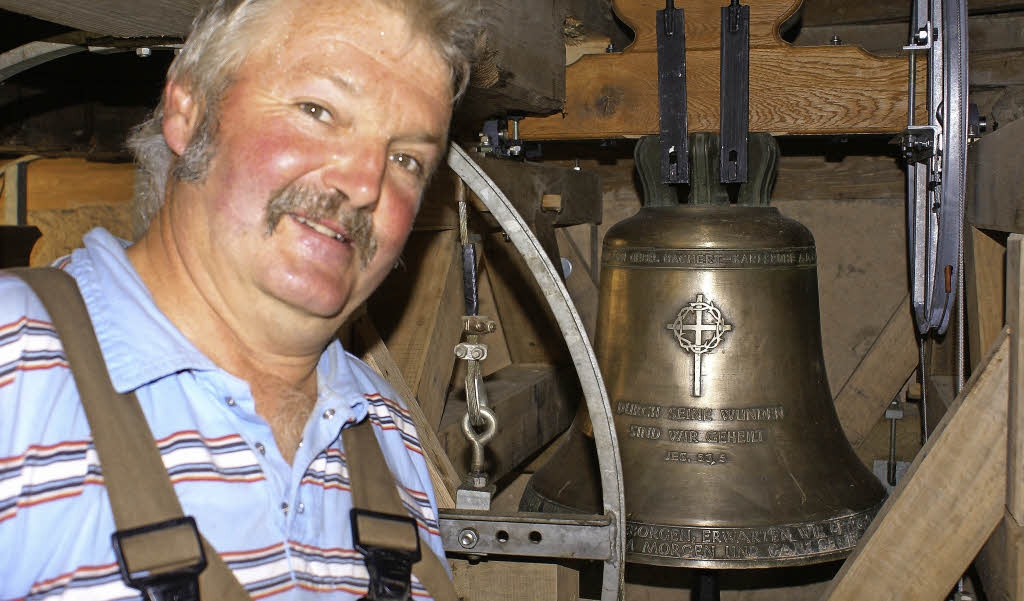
[{"x": 704, "y": 320}]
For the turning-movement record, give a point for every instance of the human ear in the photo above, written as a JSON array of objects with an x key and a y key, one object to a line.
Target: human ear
[{"x": 181, "y": 114}]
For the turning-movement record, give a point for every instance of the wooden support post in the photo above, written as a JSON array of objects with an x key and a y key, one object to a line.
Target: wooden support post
[
  {"x": 1015, "y": 418},
  {"x": 442, "y": 474},
  {"x": 985, "y": 261},
  {"x": 1001, "y": 563},
  {"x": 862, "y": 399},
  {"x": 945, "y": 507},
  {"x": 419, "y": 315}
]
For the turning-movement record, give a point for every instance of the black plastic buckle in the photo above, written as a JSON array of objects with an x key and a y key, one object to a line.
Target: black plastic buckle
[
  {"x": 390, "y": 567},
  {"x": 162, "y": 560}
]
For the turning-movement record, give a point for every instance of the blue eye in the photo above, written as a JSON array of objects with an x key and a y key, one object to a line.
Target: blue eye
[
  {"x": 315, "y": 111},
  {"x": 407, "y": 163}
]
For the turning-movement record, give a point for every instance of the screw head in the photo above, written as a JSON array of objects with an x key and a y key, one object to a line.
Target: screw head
[{"x": 468, "y": 538}]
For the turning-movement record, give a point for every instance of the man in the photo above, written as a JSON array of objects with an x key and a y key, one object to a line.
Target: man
[{"x": 284, "y": 166}]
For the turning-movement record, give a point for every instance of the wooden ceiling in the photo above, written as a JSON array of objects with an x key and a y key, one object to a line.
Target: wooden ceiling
[{"x": 120, "y": 18}]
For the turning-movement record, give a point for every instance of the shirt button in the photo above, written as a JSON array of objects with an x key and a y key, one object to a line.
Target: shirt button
[
  {"x": 230, "y": 401},
  {"x": 301, "y": 508},
  {"x": 284, "y": 508},
  {"x": 262, "y": 449},
  {"x": 329, "y": 414}
]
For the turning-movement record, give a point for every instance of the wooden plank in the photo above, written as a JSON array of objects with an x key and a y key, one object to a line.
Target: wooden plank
[
  {"x": 808, "y": 90},
  {"x": 862, "y": 399},
  {"x": 984, "y": 261},
  {"x": 997, "y": 182},
  {"x": 944, "y": 508},
  {"x": 526, "y": 183},
  {"x": 1015, "y": 420},
  {"x": 121, "y": 18},
  {"x": 1000, "y": 564},
  {"x": 442, "y": 474},
  {"x": 854, "y": 178},
  {"x": 505, "y": 580},
  {"x": 521, "y": 66},
  {"x": 985, "y": 33},
  {"x": 703, "y": 23},
  {"x": 73, "y": 183},
  {"x": 824, "y": 12},
  {"x": 996, "y": 68},
  {"x": 533, "y": 334},
  {"x": 418, "y": 311},
  {"x": 534, "y": 403},
  {"x": 582, "y": 289}
]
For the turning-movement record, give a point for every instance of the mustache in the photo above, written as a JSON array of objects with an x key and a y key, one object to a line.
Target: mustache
[{"x": 317, "y": 205}]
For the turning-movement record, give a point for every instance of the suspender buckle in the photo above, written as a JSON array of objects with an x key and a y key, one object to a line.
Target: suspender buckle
[
  {"x": 162, "y": 560},
  {"x": 390, "y": 545}
]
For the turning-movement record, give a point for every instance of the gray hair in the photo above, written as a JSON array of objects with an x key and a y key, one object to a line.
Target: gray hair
[{"x": 223, "y": 34}]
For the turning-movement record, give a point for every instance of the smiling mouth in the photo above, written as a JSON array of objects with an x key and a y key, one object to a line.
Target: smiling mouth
[{"x": 322, "y": 229}]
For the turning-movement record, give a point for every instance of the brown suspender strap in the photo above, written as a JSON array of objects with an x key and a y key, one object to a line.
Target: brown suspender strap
[
  {"x": 140, "y": 490},
  {"x": 373, "y": 487}
]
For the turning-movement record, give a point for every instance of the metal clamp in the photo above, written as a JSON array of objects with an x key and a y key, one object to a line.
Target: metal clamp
[
  {"x": 390, "y": 566},
  {"x": 163, "y": 561}
]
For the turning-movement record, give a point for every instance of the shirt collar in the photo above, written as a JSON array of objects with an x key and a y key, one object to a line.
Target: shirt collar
[{"x": 140, "y": 345}]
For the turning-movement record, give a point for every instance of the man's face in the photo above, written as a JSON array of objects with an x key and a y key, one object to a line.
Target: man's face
[{"x": 325, "y": 141}]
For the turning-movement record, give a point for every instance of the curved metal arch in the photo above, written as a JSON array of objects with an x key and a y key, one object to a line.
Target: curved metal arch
[{"x": 584, "y": 360}]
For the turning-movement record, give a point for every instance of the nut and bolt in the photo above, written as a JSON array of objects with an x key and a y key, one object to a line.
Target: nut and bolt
[{"x": 468, "y": 538}]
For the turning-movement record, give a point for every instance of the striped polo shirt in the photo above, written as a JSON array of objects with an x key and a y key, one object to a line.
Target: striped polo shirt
[{"x": 283, "y": 529}]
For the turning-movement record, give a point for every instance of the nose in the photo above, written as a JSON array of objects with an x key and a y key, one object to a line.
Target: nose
[{"x": 358, "y": 171}]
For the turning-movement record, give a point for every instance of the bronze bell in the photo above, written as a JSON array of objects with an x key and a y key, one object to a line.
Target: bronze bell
[{"x": 709, "y": 341}]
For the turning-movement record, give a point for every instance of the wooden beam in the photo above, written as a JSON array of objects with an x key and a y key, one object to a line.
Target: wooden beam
[
  {"x": 526, "y": 183},
  {"x": 533, "y": 335},
  {"x": 1013, "y": 523},
  {"x": 1015, "y": 414},
  {"x": 996, "y": 182},
  {"x": 808, "y": 90},
  {"x": 582, "y": 289},
  {"x": 522, "y": 63},
  {"x": 442, "y": 474},
  {"x": 505, "y": 580},
  {"x": 985, "y": 261},
  {"x": 121, "y": 18},
  {"x": 418, "y": 311},
  {"x": 862, "y": 399},
  {"x": 946, "y": 505},
  {"x": 534, "y": 403},
  {"x": 1000, "y": 563},
  {"x": 824, "y": 12},
  {"x": 985, "y": 33}
]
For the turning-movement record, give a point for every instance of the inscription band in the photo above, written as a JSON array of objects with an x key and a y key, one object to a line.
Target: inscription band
[
  {"x": 691, "y": 258},
  {"x": 745, "y": 547}
]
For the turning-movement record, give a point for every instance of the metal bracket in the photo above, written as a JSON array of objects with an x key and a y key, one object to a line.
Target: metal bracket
[
  {"x": 936, "y": 154},
  {"x": 734, "y": 93},
  {"x": 675, "y": 168}
]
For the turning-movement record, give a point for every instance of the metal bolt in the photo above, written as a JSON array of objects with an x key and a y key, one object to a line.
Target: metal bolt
[
  {"x": 144, "y": 52},
  {"x": 835, "y": 41},
  {"x": 468, "y": 538},
  {"x": 576, "y": 165}
]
